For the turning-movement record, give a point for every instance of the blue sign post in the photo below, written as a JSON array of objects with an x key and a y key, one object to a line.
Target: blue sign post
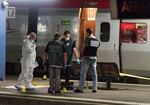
[{"x": 2, "y": 42}]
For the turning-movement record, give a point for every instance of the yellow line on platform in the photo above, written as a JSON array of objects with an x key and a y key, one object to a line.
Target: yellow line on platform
[{"x": 134, "y": 76}]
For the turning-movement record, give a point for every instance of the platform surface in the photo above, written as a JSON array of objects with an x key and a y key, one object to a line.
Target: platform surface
[{"x": 120, "y": 93}]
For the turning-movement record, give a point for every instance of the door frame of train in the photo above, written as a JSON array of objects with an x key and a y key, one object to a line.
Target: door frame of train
[
  {"x": 83, "y": 25},
  {"x": 120, "y": 54}
]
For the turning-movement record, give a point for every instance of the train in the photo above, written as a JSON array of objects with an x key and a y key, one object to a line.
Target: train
[
  {"x": 122, "y": 46},
  {"x": 125, "y": 42}
]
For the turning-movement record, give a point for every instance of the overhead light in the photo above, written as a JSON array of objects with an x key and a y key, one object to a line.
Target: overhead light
[
  {"x": 91, "y": 13},
  {"x": 4, "y": 4}
]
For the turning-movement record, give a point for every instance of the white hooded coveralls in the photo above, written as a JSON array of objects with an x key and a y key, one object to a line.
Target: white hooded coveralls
[{"x": 28, "y": 63}]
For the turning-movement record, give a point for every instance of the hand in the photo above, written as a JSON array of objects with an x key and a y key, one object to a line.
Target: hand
[
  {"x": 34, "y": 43},
  {"x": 77, "y": 61},
  {"x": 64, "y": 66}
]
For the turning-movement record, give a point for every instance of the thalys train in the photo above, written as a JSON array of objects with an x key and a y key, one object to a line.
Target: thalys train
[{"x": 125, "y": 42}]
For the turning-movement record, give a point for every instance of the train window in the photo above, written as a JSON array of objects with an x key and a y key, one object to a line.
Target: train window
[
  {"x": 133, "y": 33},
  {"x": 105, "y": 32}
]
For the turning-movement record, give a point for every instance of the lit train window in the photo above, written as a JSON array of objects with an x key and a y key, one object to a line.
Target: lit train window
[
  {"x": 105, "y": 32},
  {"x": 133, "y": 33}
]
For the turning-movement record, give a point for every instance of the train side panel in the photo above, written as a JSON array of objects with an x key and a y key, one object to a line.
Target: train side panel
[
  {"x": 136, "y": 57},
  {"x": 108, "y": 51}
]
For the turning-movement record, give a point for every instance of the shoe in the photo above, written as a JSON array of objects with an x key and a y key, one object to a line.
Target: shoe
[
  {"x": 93, "y": 91},
  {"x": 58, "y": 91},
  {"x": 18, "y": 87},
  {"x": 78, "y": 91},
  {"x": 51, "y": 92},
  {"x": 30, "y": 88}
]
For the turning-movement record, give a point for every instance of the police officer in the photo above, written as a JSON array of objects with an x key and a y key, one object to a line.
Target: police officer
[
  {"x": 57, "y": 57},
  {"x": 70, "y": 46},
  {"x": 91, "y": 45},
  {"x": 28, "y": 62}
]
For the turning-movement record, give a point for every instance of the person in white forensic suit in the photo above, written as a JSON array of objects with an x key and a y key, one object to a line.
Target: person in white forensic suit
[{"x": 28, "y": 63}]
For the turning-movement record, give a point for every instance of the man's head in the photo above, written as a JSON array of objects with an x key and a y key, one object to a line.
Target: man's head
[
  {"x": 32, "y": 36},
  {"x": 67, "y": 35},
  {"x": 89, "y": 31},
  {"x": 57, "y": 36}
]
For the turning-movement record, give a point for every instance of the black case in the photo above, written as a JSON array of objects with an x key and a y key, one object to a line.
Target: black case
[{"x": 68, "y": 85}]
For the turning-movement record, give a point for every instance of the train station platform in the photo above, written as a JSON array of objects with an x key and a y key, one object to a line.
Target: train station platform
[{"x": 119, "y": 94}]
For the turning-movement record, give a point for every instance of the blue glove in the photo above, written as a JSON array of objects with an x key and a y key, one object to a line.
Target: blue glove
[
  {"x": 77, "y": 61},
  {"x": 64, "y": 66}
]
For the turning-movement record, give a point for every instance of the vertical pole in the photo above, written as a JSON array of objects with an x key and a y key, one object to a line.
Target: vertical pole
[
  {"x": 108, "y": 87},
  {"x": 33, "y": 19},
  {"x": 120, "y": 57},
  {"x": 2, "y": 42}
]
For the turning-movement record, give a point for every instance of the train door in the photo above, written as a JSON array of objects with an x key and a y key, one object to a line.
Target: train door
[
  {"x": 87, "y": 17},
  {"x": 107, "y": 31}
]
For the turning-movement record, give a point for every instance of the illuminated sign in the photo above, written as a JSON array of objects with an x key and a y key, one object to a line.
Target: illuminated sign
[
  {"x": 65, "y": 22},
  {"x": 131, "y": 9}
]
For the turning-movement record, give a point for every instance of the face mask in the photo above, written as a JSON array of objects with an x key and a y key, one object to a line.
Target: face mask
[
  {"x": 32, "y": 41},
  {"x": 67, "y": 39}
]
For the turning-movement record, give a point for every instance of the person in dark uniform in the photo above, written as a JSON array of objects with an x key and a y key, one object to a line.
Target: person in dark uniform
[
  {"x": 91, "y": 45},
  {"x": 70, "y": 46},
  {"x": 57, "y": 58}
]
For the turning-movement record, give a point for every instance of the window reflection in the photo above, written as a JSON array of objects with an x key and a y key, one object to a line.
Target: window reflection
[
  {"x": 42, "y": 27},
  {"x": 133, "y": 33}
]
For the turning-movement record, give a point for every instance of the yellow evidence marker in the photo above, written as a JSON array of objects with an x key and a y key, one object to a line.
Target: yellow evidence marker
[
  {"x": 34, "y": 83},
  {"x": 41, "y": 84},
  {"x": 64, "y": 90},
  {"x": 22, "y": 90},
  {"x": 44, "y": 77}
]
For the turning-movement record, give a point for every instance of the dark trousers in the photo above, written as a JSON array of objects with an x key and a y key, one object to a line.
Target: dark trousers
[
  {"x": 67, "y": 74},
  {"x": 54, "y": 78}
]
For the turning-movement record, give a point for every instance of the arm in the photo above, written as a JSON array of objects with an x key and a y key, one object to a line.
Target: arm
[
  {"x": 30, "y": 47},
  {"x": 83, "y": 45},
  {"x": 82, "y": 49},
  {"x": 75, "y": 52},
  {"x": 44, "y": 57},
  {"x": 65, "y": 57},
  {"x": 45, "y": 54},
  {"x": 75, "y": 49},
  {"x": 64, "y": 53}
]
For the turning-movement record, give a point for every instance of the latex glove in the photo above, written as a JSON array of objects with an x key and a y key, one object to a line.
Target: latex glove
[
  {"x": 34, "y": 43},
  {"x": 77, "y": 61},
  {"x": 64, "y": 66}
]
